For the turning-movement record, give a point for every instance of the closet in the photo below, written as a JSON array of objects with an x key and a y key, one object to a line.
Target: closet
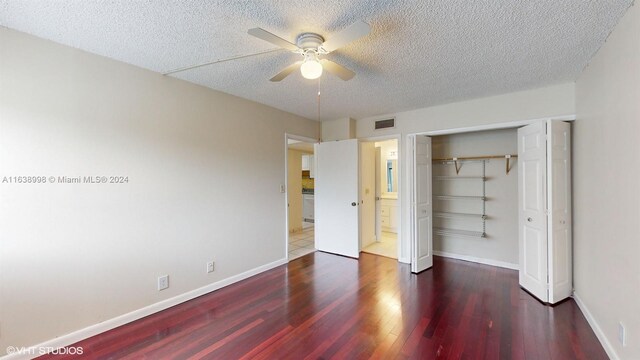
[
  {"x": 498, "y": 197},
  {"x": 475, "y": 197}
]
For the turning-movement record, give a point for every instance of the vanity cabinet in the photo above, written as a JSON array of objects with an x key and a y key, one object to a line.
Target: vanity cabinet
[{"x": 389, "y": 215}]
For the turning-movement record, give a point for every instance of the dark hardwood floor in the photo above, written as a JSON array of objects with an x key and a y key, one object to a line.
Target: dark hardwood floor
[{"x": 323, "y": 306}]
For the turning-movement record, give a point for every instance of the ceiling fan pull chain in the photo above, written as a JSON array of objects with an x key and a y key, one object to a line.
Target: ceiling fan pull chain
[{"x": 318, "y": 99}]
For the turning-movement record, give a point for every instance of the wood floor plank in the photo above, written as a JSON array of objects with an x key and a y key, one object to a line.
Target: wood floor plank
[{"x": 322, "y": 306}]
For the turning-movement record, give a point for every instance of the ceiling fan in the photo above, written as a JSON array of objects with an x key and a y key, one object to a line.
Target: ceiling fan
[{"x": 311, "y": 46}]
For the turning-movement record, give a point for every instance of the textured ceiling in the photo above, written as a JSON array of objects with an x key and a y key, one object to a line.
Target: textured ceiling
[{"x": 419, "y": 52}]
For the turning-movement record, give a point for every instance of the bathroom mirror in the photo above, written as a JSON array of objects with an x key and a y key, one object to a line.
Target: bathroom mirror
[{"x": 392, "y": 176}]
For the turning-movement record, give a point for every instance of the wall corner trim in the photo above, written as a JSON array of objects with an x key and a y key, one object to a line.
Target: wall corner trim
[
  {"x": 92, "y": 330},
  {"x": 478, "y": 260},
  {"x": 608, "y": 348}
]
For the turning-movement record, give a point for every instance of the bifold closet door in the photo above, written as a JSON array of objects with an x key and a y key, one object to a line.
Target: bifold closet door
[
  {"x": 422, "y": 205},
  {"x": 559, "y": 205},
  {"x": 544, "y": 210},
  {"x": 532, "y": 218}
]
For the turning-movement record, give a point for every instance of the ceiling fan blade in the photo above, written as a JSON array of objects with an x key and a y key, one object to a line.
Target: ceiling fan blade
[
  {"x": 353, "y": 32},
  {"x": 274, "y": 39},
  {"x": 287, "y": 71},
  {"x": 337, "y": 69}
]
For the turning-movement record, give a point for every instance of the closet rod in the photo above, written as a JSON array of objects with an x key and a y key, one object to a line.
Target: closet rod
[
  {"x": 477, "y": 157},
  {"x": 485, "y": 157}
]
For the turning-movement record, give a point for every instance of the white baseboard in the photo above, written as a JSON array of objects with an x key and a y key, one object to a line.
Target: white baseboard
[
  {"x": 608, "y": 348},
  {"x": 113, "y": 323},
  {"x": 478, "y": 260}
]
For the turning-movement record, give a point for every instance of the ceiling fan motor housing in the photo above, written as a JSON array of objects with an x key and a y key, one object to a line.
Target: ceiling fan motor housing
[{"x": 308, "y": 41}]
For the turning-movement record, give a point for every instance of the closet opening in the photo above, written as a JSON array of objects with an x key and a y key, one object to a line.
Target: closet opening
[{"x": 498, "y": 196}]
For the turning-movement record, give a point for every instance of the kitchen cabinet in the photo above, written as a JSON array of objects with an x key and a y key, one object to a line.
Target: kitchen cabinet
[
  {"x": 308, "y": 164},
  {"x": 308, "y": 207}
]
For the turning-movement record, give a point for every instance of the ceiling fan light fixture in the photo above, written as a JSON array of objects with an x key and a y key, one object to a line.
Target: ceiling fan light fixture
[{"x": 311, "y": 67}]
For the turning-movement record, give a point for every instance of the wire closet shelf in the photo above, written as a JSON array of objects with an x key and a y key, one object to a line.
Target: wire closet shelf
[{"x": 457, "y": 162}]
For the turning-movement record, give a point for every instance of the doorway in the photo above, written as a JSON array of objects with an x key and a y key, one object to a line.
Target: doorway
[
  {"x": 300, "y": 191},
  {"x": 380, "y": 209}
]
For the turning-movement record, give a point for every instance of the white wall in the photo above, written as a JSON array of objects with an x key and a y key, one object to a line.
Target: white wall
[
  {"x": 501, "y": 244},
  {"x": 531, "y": 104},
  {"x": 339, "y": 129},
  {"x": 201, "y": 166},
  {"x": 554, "y": 101},
  {"x": 367, "y": 188},
  {"x": 606, "y": 195}
]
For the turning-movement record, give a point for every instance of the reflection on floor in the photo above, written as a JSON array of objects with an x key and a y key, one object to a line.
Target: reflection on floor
[
  {"x": 325, "y": 306},
  {"x": 302, "y": 243},
  {"x": 386, "y": 247}
]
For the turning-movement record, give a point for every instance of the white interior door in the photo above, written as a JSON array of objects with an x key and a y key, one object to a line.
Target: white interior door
[
  {"x": 336, "y": 197},
  {"x": 422, "y": 206},
  {"x": 532, "y": 218},
  {"x": 367, "y": 194},
  {"x": 559, "y": 200}
]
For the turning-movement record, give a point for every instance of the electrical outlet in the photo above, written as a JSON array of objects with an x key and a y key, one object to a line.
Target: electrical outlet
[
  {"x": 622, "y": 336},
  {"x": 163, "y": 282},
  {"x": 210, "y": 267}
]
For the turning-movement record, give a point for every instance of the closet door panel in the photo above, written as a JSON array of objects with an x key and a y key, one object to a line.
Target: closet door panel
[
  {"x": 559, "y": 200},
  {"x": 422, "y": 206},
  {"x": 532, "y": 218}
]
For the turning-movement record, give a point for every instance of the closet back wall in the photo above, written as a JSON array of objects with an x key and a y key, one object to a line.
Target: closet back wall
[{"x": 500, "y": 247}]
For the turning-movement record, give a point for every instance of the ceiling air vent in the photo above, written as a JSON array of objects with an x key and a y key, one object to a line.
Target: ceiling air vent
[{"x": 385, "y": 124}]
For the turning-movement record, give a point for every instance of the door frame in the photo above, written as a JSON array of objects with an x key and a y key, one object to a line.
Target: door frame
[
  {"x": 398, "y": 138},
  {"x": 288, "y": 136},
  {"x": 409, "y": 242}
]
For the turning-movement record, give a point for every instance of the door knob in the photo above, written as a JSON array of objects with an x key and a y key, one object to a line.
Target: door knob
[
  {"x": 353, "y": 204},
  {"x": 529, "y": 219}
]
